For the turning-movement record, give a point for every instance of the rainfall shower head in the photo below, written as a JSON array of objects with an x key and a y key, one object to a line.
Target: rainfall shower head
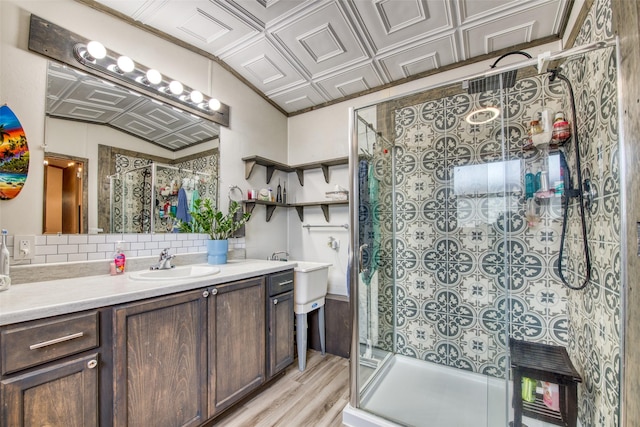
[
  {"x": 504, "y": 80},
  {"x": 484, "y": 84}
]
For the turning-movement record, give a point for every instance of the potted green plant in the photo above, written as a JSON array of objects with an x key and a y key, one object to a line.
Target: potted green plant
[{"x": 207, "y": 219}]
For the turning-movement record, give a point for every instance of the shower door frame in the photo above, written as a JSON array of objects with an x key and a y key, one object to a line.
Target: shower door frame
[{"x": 353, "y": 261}]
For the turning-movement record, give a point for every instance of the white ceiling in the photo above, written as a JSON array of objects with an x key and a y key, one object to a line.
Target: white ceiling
[{"x": 305, "y": 53}]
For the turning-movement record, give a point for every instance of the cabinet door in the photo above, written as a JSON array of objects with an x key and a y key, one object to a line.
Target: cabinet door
[
  {"x": 280, "y": 332},
  {"x": 61, "y": 395},
  {"x": 237, "y": 341},
  {"x": 160, "y": 361}
]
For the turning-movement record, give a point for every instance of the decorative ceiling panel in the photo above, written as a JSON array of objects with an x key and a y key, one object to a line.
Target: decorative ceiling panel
[
  {"x": 264, "y": 66},
  {"x": 303, "y": 53},
  {"x": 394, "y": 24},
  {"x": 420, "y": 57},
  {"x": 351, "y": 81},
  {"x": 298, "y": 98},
  {"x": 320, "y": 40},
  {"x": 486, "y": 36}
]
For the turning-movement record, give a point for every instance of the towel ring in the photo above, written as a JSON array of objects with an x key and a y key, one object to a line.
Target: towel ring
[{"x": 235, "y": 189}]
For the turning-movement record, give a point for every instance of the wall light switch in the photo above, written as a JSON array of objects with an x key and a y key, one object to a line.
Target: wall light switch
[{"x": 24, "y": 247}]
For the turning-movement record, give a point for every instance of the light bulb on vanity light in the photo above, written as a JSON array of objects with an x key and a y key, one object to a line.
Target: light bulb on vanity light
[
  {"x": 196, "y": 96},
  {"x": 176, "y": 87},
  {"x": 96, "y": 50},
  {"x": 125, "y": 64},
  {"x": 214, "y": 104},
  {"x": 152, "y": 77}
]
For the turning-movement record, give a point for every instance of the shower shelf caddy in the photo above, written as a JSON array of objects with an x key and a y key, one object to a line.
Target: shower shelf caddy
[{"x": 271, "y": 166}]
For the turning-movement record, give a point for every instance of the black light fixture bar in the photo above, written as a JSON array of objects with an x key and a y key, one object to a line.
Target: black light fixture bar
[{"x": 57, "y": 43}]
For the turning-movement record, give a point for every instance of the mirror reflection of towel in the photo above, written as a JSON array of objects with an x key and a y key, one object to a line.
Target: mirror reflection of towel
[{"x": 183, "y": 207}]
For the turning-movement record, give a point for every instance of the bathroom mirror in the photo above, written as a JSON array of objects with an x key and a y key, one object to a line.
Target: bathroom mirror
[{"x": 115, "y": 129}]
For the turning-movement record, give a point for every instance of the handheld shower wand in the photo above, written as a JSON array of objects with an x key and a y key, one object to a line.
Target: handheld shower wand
[{"x": 583, "y": 192}]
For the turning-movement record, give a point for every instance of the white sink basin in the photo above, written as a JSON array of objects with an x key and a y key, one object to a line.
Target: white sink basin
[
  {"x": 177, "y": 273},
  {"x": 310, "y": 285}
]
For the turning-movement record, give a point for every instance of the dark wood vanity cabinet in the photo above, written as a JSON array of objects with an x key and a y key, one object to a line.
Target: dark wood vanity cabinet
[
  {"x": 280, "y": 320},
  {"x": 51, "y": 372},
  {"x": 173, "y": 360},
  {"x": 237, "y": 342},
  {"x": 160, "y": 361}
]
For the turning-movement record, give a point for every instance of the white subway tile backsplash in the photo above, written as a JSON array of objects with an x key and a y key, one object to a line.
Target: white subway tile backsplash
[
  {"x": 96, "y": 255},
  {"x": 78, "y": 239},
  {"x": 57, "y": 258},
  {"x": 67, "y": 249},
  {"x": 88, "y": 248},
  {"x": 57, "y": 240},
  {"x": 97, "y": 238},
  {"x": 77, "y": 257},
  {"x": 107, "y": 247},
  {"x": 151, "y": 245},
  {"x": 46, "y": 250}
]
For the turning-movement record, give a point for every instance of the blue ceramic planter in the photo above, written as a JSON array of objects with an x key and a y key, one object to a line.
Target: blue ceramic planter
[{"x": 217, "y": 251}]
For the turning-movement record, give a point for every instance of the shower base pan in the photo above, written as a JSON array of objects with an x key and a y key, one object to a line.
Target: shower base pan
[{"x": 411, "y": 392}]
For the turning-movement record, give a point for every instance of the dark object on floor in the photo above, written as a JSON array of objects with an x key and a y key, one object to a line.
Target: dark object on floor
[{"x": 544, "y": 363}]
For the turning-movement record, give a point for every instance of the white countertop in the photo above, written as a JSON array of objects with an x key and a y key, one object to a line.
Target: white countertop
[{"x": 36, "y": 300}]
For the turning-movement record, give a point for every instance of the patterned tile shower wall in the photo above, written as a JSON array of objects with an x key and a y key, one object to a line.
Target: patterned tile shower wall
[
  {"x": 463, "y": 239},
  {"x": 135, "y": 189},
  {"x": 594, "y": 313}
]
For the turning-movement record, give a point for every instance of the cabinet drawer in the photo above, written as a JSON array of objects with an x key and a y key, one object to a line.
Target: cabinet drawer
[
  {"x": 33, "y": 343},
  {"x": 280, "y": 282}
]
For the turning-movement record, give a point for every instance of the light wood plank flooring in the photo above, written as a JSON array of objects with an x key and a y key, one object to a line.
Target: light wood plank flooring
[{"x": 313, "y": 398}]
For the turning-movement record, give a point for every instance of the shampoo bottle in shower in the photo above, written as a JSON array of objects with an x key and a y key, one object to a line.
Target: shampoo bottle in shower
[{"x": 529, "y": 185}]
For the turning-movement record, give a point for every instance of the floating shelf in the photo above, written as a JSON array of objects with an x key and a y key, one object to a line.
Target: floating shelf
[
  {"x": 271, "y": 207},
  {"x": 271, "y": 166}
]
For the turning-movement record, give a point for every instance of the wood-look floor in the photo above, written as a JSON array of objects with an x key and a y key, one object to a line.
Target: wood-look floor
[{"x": 311, "y": 398}]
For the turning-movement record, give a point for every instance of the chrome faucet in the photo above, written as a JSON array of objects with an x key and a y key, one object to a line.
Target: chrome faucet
[
  {"x": 164, "y": 263},
  {"x": 276, "y": 256}
]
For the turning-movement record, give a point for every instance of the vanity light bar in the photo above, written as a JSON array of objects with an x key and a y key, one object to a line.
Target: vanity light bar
[
  {"x": 95, "y": 55},
  {"x": 89, "y": 56}
]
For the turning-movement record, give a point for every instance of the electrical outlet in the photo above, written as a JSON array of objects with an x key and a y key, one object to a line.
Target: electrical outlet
[{"x": 24, "y": 247}]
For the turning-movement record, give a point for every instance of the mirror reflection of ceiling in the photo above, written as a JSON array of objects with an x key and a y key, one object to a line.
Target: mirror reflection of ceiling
[
  {"x": 74, "y": 95},
  {"x": 304, "y": 53}
]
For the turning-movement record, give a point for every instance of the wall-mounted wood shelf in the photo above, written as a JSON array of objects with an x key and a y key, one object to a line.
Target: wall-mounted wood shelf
[
  {"x": 271, "y": 166},
  {"x": 271, "y": 207}
]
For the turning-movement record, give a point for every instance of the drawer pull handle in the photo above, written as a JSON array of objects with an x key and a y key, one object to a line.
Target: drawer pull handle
[
  {"x": 56, "y": 341},
  {"x": 275, "y": 301},
  {"x": 214, "y": 291},
  {"x": 92, "y": 364},
  {"x": 286, "y": 282}
]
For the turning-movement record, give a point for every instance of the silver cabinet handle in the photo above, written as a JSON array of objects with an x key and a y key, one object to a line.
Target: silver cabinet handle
[
  {"x": 214, "y": 291},
  {"x": 205, "y": 294},
  {"x": 56, "y": 341},
  {"x": 92, "y": 364},
  {"x": 275, "y": 301},
  {"x": 360, "y": 260},
  {"x": 286, "y": 282}
]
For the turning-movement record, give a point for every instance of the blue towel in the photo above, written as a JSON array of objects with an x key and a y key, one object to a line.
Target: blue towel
[
  {"x": 369, "y": 227},
  {"x": 183, "y": 207}
]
